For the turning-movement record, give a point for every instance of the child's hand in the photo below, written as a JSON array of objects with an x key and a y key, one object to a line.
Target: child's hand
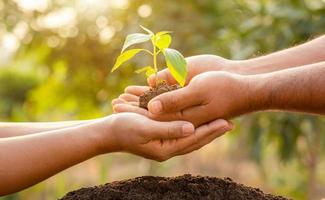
[{"x": 155, "y": 140}]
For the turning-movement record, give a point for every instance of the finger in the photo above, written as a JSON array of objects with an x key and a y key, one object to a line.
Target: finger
[
  {"x": 166, "y": 75},
  {"x": 206, "y": 139},
  {"x": 220, "y": 126},
  {"x": 120, "y": 108},
  {"x": 162, "y": 75},
  {"x": 117, "y": 101},
  {"x": 132, "y": 103},
  {"x": 174, "y": 101},
  {"x": 128, "y": 107},
  {"x": 197, "y": 115},
  {"x": 136, "y": 90},
  {"x": 129, "y": 97},
  {"x": 121, "y": 101},
  {"x": 174, "y": 147},
  {"x": 168, "y": 130}
]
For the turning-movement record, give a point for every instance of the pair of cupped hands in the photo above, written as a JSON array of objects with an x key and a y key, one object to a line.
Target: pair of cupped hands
[{"x": 184, "y": 120}]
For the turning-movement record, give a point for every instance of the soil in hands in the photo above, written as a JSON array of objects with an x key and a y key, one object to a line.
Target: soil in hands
[
  {"x": 186, "y": 187},
  {"x": 161, "y": 87}
]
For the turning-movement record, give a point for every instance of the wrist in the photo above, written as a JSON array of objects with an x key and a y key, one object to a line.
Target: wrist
[
  {"x": 103, "y": 131},
  {"x": 257, "y": 95},
  {"x": 244, "y": 67}
]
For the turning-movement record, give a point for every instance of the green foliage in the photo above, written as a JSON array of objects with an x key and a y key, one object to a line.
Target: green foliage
[
  {"x": 135, "y": 38},
  {"x": 125, "y": 56},
  {"x": 175, "y": 60},
  {"x": 176, "y": 65},
  {"x": 162, "y": 40}
]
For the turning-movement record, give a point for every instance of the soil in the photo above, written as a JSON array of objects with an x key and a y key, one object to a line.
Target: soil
[
  {"x": 186, "y": 187},
  {"x": 161, "y": 87}
]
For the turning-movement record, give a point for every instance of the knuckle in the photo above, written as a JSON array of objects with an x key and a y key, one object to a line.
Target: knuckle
[
  {"x": 197, "y": 80},
  {"x": 173, "y": 102},
  {"x": 195, "y": 140},
  {"x": 169, "y": 131}
]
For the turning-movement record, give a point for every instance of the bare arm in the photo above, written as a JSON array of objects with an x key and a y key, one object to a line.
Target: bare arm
[
  {"x": 304, "y": 54},
  {"x": 29, "y": 159},
  {"x": 11, "y": 129},
  {"x": 225, "y": 95},
  {"x": 298, "y": 89}
]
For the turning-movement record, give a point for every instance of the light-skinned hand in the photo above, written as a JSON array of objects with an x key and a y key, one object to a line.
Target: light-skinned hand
[{"x": 137, "y": 134}]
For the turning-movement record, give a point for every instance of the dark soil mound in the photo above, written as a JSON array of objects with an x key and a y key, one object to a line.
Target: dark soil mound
[
  {"x": 161, "y": 87},
  {"x": 160, "y": 188}
]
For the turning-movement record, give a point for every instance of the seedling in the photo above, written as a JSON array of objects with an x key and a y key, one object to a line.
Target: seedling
[{"x": 160, "y": 42}]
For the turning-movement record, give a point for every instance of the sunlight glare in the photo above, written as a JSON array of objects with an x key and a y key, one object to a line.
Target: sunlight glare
[
  {"x": 144, "y": 11},
  {"x": 59, "y": 18},
  {"x": 33, "y": 5}
]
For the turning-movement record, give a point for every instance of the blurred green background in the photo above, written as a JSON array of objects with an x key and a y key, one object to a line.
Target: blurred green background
[{"x": 55, "y": 61}]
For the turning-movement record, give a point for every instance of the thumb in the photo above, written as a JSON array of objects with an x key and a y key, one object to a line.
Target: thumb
[
  {"x": 170, "y": 130},
  {"x": 173, "y": 101}
]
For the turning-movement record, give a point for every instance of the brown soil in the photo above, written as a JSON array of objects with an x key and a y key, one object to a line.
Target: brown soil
[
  {"x": 161, "y": 87},
  {"x": 179, "y": 188}
]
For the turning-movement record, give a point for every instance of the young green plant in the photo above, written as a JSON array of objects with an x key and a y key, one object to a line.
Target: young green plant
[{"x": 160, "y": 42}]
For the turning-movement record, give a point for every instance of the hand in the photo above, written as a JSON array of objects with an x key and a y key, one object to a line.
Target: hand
[
  {"x": 209, "y": 96},
  {"x": 197, "y": 65},
  {"x": 155, "y": 140}
]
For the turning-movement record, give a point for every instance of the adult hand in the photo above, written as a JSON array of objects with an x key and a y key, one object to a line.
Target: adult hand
[
  {"x": 155, "y": 140},
  {"x": 197, "y": 65},
  {"x": 209, "y": 96}
]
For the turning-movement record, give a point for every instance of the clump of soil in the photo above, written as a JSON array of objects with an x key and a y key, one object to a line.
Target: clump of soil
[
  {"x": 186, "y": 187},
  {"x": 161, "y": 87}
]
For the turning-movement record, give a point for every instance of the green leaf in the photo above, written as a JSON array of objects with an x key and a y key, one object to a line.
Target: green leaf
[
  {"x": 148, "y": 69},
  {"x": 147, "y": 30},
  {"x": 176, "y": 64},
  {"x": 125, "y": 56},
  {"x": 135, "y": 38},
  {"x": 162, "y": 41}
]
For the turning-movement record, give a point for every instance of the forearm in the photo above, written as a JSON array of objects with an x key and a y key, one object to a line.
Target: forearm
[
  {"x": 11, "y": 129},
  {"x": 298, "y": 89},
  {"x": 304, "y": 54},
  {"x": 27, "y": 160}
]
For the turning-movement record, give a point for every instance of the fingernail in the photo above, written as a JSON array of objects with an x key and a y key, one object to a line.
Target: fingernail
[
  {"x": 217, "y": 126},
  {"x": 187, "y": 129},
  {"x": 155, "y": 107},
  {"x": 227, "y": 128},
  {"x": 231, "y": 126}
]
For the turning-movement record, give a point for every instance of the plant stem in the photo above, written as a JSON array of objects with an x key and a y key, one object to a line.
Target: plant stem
[
  {"x": 155, "y": 61},
  {"x": 149, "y": 52}
]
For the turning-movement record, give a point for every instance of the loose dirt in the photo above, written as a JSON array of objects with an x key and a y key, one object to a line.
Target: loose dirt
[
  {"x": 161, "y": 87},
  {"x": 186, "y": 187}
]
